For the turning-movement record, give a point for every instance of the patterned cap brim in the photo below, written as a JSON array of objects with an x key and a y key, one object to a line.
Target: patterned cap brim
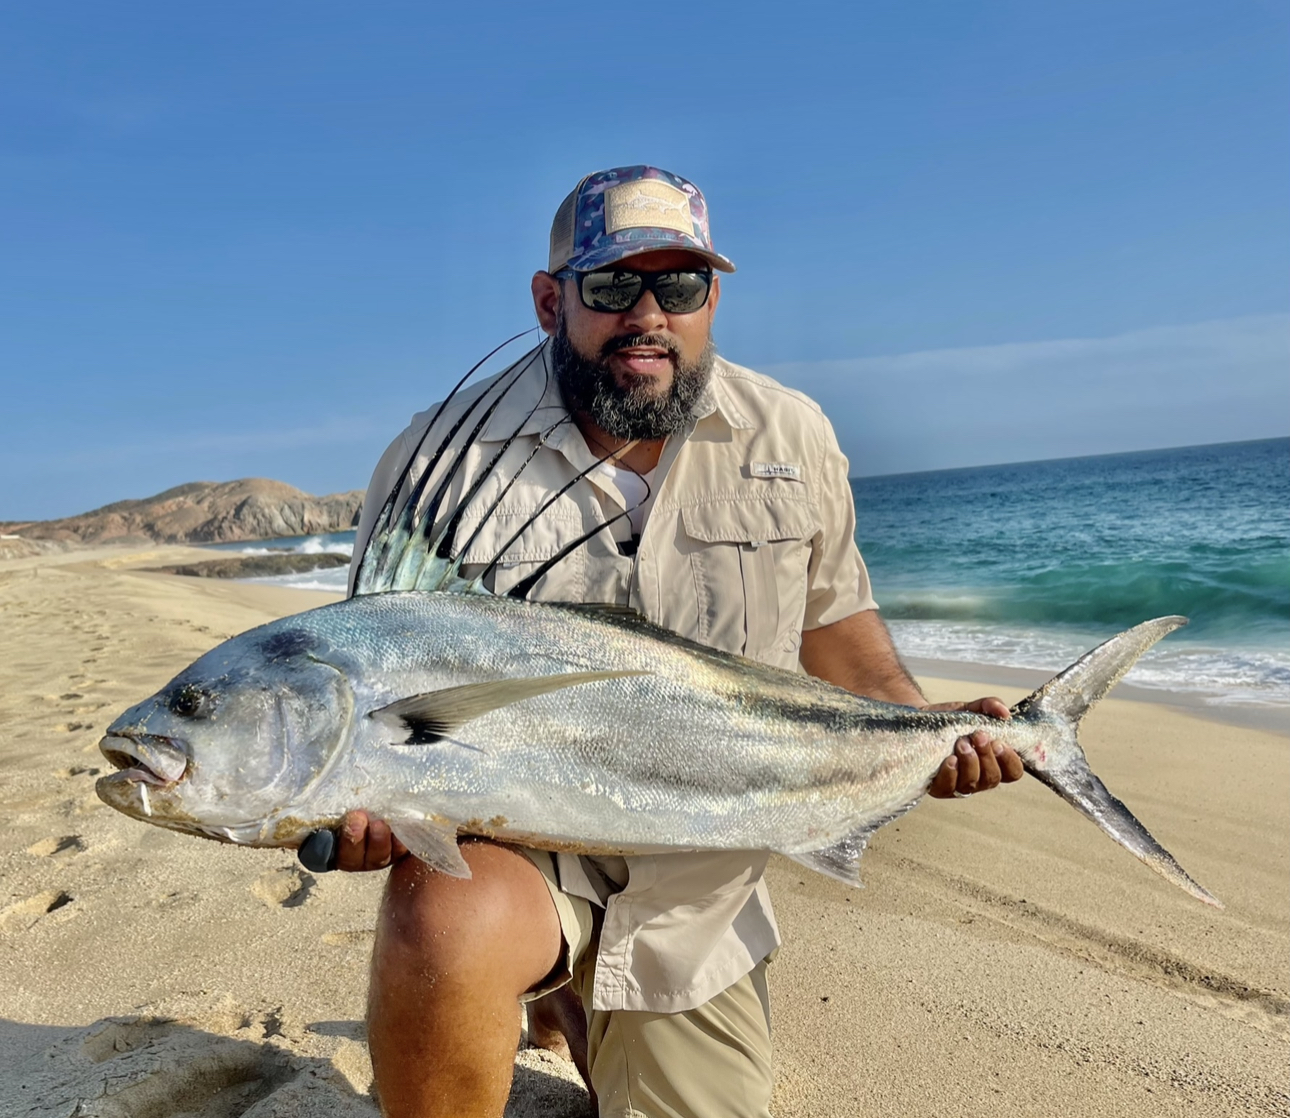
[{"x": 605, "y": 255}]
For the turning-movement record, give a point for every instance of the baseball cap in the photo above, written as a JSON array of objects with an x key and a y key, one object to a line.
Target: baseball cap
[{"x": 618, "y": 213}]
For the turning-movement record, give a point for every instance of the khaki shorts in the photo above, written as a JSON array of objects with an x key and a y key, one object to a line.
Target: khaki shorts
[{"x": 709, "y": 1062}]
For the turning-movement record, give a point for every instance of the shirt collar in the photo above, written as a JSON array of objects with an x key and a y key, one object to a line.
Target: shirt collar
[{"x": 716, "y": 399}]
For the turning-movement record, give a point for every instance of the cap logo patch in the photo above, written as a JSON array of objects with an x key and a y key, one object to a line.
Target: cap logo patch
[{"x": 647, "y": 203}]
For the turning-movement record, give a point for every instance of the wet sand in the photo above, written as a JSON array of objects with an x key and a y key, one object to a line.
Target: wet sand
[{"x": 1004, "y": 959}]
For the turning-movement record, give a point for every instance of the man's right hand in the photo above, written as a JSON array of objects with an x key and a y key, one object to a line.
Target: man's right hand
[{"x": 363, "y": 843}]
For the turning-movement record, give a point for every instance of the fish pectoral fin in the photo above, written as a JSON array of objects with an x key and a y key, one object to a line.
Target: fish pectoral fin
[
  {"x": 432, "y": 716},
  {"x": 433, "y": 840}
]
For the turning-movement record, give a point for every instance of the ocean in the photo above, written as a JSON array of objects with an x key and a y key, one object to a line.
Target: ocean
[{"x": 1030, "y": 564}]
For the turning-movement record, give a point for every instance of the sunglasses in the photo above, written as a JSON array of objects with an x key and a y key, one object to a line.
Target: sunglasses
[{"x": 615, "y": 290}]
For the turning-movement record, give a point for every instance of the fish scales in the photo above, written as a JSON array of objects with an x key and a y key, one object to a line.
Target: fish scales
[{"x": 707, "y": 771}]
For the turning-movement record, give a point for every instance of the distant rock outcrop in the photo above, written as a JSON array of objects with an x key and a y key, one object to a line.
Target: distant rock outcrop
[
  {"x": 203, "y": 512},
  {"x": 257, "y": 566}
]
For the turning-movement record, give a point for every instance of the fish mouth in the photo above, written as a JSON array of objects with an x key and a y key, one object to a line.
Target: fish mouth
[{"x": 144, "y": 758}]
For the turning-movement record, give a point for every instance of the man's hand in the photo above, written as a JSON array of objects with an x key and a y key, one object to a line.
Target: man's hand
[
  {"x": 360, "y": 843},
  {"x": 978, "y": 762},
  {"x": 857, "y": 653}
]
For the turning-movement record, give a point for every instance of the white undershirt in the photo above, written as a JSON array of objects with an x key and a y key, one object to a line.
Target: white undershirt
[{"x": 637, "y": 491}]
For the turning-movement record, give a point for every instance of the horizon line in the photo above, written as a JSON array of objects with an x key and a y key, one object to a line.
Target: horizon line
[{"x": 1070, "y": 458}]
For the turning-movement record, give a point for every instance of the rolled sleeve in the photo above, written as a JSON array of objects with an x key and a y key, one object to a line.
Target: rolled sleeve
[{"x": 837, "y": 580}]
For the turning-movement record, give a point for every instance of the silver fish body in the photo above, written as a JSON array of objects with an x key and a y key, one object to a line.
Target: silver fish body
[{"x": 562, "y": 728}]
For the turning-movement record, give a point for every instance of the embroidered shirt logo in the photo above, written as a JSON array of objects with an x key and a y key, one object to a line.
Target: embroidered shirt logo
[
  {"x": 647, "y": 203},
  {"x": 777, "y": 469}
]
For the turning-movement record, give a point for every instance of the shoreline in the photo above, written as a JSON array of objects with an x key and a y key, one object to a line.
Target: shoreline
[{"x": 1267, "y": 717}]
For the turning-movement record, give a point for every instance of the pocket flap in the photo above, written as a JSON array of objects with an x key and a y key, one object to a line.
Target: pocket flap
[
  {"x": 546, "y": 537},
  {"x": 752, "y": 521}
]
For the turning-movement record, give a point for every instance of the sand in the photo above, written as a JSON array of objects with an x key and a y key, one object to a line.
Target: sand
[{"x": 1004, "y": 959}]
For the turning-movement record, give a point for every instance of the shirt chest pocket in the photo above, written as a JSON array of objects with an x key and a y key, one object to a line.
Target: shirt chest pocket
[
  {"x": 538, "y": 542},
  {"x": 749, "y": 560}
]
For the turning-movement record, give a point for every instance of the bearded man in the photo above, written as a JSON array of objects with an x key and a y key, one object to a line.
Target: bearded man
[{"x": 738, "y": 532}]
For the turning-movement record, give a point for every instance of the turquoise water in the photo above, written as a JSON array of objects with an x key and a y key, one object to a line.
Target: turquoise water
[
  {"x": 1027, "y": 564},
  {"x": 1030, "y": 564}
]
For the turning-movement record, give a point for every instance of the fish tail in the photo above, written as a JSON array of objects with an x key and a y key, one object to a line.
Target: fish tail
[{"x": 1059, "y": 760}]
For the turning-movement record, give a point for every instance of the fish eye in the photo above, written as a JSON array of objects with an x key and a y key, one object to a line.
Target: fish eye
[{"x": 191, "y": 702}]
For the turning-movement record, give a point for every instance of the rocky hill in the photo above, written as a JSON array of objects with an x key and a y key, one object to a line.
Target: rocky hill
[{"x": 202, "y": 512}]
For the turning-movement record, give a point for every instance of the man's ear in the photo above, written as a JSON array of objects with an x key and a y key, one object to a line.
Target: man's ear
[
  {"x": 714, "y": 296},
  {"x": 546, "y": 301}
]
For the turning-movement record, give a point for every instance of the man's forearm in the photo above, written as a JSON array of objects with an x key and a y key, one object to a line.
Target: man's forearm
[{"x": 857, "y": 653}]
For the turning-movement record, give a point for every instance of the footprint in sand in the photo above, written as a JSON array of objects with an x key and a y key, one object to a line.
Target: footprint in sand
[
  {"x": 180, "y": 898},
  {"x": 116, "y": 1037},
  {"x": 48, "y": 847},
  {"x": 132, "y": 1067},
  {"x": 287, "y": 887},
  {"x": 25, "y": 914},
  {"x": 78, "y": 770}
]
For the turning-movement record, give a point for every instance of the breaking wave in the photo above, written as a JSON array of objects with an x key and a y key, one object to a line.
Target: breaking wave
[{"x": 1030, "y": 564}]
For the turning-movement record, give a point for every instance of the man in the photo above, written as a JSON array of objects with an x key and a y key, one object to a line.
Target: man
[{"x": 740, "y": 535}]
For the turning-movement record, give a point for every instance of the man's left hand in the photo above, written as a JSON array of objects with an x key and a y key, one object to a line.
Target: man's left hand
[{"x": 978, "y": 762}]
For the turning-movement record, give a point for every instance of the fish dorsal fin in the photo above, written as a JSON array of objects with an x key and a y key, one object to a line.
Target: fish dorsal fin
[
  {"x": 605, "y": 609},
  {"x": 392, "y": 531},
  {"x": 425, "y": 562},
  {"x": 410, "y": 548},
  {"x": 432, "y": 716},
  {"x": 522, "y": 588}
]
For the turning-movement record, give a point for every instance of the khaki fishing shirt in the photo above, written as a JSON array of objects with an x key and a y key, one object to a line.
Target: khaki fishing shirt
[{"x": 749, "y": 541}]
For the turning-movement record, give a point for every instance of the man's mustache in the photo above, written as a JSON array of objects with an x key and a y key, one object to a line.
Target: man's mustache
[{"x": 631, "y": 341}]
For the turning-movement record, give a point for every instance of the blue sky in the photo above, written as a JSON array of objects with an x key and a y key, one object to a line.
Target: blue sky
[{"x": 251, "y": 239}]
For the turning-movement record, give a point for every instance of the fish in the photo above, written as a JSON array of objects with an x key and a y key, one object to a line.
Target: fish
[{"x": 448, "y": 711}]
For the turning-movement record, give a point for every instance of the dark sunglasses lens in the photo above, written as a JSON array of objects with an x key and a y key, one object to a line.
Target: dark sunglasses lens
[
  {"x": 681, "y": 292},
  {"x": 610, "y": 291}
]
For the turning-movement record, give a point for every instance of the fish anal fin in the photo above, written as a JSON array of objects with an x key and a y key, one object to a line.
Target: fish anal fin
[
  {"x": 841, "y": 861},
  {"x": 433, "y": 715},
  {"x": 431, "y": 839}
]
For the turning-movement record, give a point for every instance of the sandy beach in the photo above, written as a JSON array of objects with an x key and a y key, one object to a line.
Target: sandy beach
[{"x": 1005, "y": 959}]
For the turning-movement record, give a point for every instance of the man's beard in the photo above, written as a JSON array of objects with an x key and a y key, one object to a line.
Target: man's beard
[{"x": 631, "y": 410}]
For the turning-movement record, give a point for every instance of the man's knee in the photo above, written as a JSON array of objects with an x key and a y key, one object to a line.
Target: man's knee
[{"x": 500, "y": 922}]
